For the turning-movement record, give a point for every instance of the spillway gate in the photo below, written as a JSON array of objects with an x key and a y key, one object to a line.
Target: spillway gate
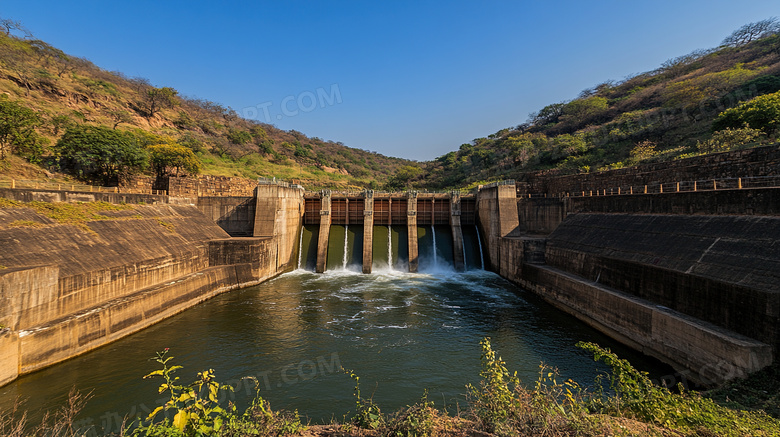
[{"x": 403, "y": 212}]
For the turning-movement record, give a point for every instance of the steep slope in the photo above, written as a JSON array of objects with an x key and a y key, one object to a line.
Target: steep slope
[
  {"x": 64, "y": 91},
  {"x": 660, "y": 115}
]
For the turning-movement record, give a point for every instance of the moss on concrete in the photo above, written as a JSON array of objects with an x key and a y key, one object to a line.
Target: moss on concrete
[
  {"x": 26, "y": 224},
  {"x": 77, "y": 214}
]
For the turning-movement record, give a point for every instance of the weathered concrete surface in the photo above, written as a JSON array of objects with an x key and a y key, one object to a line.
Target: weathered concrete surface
[
  {"x": 257, "y": 254},
  {"x": 28, "y": 296},
  {"x": 236, "y": 215},
  {"x": 83, "y": 331},
  {"x": 498, "y": 218},
  {"x": 722, "y": 269},
  {"x": 9, "y": 355},
  {"x": 42, "y": 195},
  {"x": 713, "y": 354},
  {"x": 411, "y": 231},
  {"x": 324, "y": 234},
  {"x": 368, "y": 232},
  {"x": 541, "y": 215},
  {"x": 459, "y": 261},
  {"x": 109, "y": 258},
  {"x": 279, "y": 214}
]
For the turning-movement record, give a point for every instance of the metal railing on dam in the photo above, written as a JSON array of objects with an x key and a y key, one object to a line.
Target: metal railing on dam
[{"x": 732, "y": 183}]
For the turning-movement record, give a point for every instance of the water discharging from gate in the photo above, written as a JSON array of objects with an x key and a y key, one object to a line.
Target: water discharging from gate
[{"x": 400, "y": 332}]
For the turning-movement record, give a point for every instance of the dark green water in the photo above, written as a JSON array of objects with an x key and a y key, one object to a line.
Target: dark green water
[{"x": 402, "y": 333}]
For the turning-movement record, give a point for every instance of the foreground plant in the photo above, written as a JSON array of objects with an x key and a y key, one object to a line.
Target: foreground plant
[
  {"x": 195, "y": 406},
  {"x": 60, "y": 423},
  {"x": 503, "y": 406},
  {"x": 367, "y": 414},
  {"x": 633, "y": 395},
  {"x": 196, "y": 410}
]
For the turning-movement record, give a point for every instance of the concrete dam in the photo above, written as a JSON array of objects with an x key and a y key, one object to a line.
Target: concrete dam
[{"x": 689, "y": 276}]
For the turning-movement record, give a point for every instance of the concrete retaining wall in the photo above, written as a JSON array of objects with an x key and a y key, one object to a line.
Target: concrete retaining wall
[
  {"x": 279, "y": 213},
  {"x": 543, "y": 215},
  {"x": 697, "y": 291},
  {"x": 29, "y": 195},
  {"x": 236, "y": 215},
  {"x": 704, "y": 352},
  {"x": 67, "y": 288},
  {"x": 497, "y": 218}
]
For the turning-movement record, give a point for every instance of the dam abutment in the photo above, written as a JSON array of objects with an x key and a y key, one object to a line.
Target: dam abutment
[
  {"x": 67, "y": 288},
  {"x": 682, "y": 270}
]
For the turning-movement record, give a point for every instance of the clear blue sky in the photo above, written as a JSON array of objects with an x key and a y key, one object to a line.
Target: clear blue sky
[{"x": 413, "y": 79}]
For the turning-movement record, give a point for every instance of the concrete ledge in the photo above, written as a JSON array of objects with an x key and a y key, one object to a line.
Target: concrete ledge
[
  {"x": 84, "y": 331},
  {"x": 707, "y": 353}
]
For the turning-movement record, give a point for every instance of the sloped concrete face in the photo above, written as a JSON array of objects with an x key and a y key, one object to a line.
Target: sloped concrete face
[
  {"x": 721, "y": 269},
  {"x": 697, "y": 291},
  {"x": 28, "y": 296},
  {"x": 66, "y": 289}
]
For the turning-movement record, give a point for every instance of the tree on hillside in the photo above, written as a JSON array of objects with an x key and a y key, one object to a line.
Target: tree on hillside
[
  {"x": 172, "y": 159},
  {"x": 119, "y": 116},
  {"x": 547, "y": 115},
  {"x": 751, "y": 32},
  {"x": 51, "y": 56},
  {"x": 156, "y": 99},
  {"x": 100, "y": 154},
  {"x": 15, "y": 55},
  {"x": 14, "y": 26},
  {"x": 18, "y": 130}
]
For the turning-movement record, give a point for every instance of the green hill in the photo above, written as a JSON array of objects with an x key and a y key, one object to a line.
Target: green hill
[
  {"x": 706, "y": 101},
  {"x": 65, "y": 92},
  {"x": 663, "y": 114}
]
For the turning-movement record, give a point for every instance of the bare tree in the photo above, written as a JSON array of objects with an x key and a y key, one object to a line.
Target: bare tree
[
  {"x": 48, "y": 55},
  {"x": 751, "y": 32},
  {"x": 14, "y": 26}
]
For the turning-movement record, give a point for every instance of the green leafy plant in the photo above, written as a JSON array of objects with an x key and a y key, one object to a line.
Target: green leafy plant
[
  {"x": 260, "y": 420},
  {"x": 195, "y": 406},
  {"x": 367, "y": 413},
  {"x": 761, "y": 113},
  {"x": 494, "y": 399},
  {"x": 633, "y": 395}
]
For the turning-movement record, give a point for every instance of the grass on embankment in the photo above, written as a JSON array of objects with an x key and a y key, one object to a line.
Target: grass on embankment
[
  {"x": 500, "y": 405},
  {"x": 759, "y": 391},
  {"x": 77, "y": 214}
]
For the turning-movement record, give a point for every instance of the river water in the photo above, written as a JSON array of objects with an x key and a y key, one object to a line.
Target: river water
[{"x": 401, "y": 333}]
